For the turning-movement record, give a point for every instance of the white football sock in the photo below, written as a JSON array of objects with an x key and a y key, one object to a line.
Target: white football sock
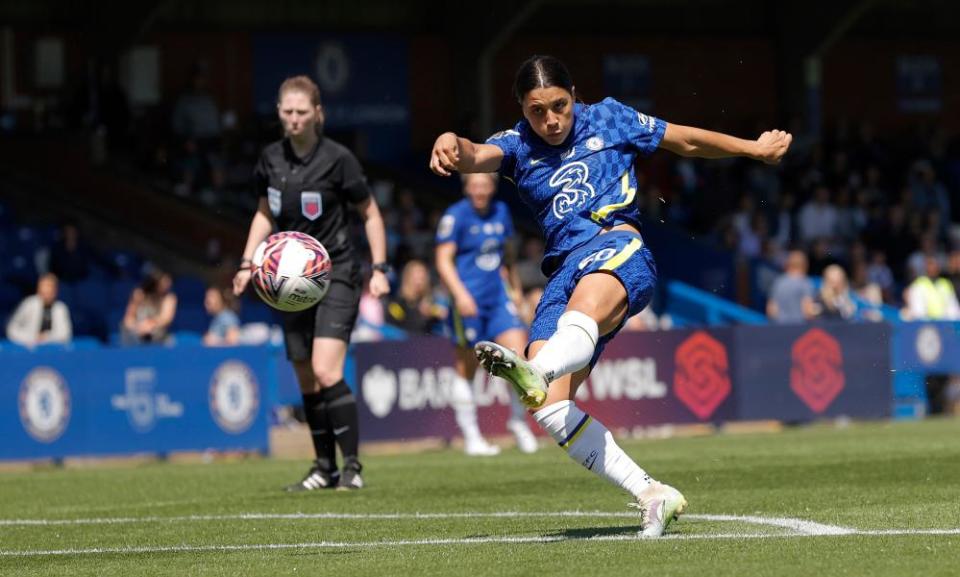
[
  {"x": 589, "y": 443},
  {"x": 465, "y": 410},
  {"x": 570, "y": 348}
]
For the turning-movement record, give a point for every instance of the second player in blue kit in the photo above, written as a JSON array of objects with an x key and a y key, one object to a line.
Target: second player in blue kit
[
  {"x": 473, "y": 239},
  {"x": 572, "y": 164}
]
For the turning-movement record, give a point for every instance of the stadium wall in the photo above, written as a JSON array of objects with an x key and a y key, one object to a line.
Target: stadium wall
[{"x": 59, "y": 402}]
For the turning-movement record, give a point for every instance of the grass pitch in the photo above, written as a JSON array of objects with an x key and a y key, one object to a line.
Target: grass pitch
[{"x": 871, "y": 499}]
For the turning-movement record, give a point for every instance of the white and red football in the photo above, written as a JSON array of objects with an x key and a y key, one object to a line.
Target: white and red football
[{"x": 291, "y": 271}]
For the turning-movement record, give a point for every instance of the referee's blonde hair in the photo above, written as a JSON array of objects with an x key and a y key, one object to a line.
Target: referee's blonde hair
[{"x": 301, "y": 83}]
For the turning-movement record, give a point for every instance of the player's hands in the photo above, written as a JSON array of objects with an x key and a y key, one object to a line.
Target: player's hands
[
  {"x": 772, "y": 145},
  {"x": 446, "y": 154},
  {"x": 466, "y": 306},
  {"x": 379, "y": 284},
  {"x": 240, "y": 281}
]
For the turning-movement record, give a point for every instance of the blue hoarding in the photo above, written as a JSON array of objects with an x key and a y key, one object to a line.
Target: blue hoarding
[{"x": 121, "y": 401}]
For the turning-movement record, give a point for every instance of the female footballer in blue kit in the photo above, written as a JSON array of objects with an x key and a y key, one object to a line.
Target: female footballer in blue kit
[
  {"x": 472, "y": 260},
  {"x": 573, "y": 165}
]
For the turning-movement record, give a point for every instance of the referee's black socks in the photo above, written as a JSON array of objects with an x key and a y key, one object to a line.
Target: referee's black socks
[
  {"x": 321, "y": 431},
  {"x": 342, "y": 414}
]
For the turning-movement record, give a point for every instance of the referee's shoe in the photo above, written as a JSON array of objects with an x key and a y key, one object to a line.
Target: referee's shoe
[
  {"x": 316, "y": 478},
  {"x": 351, "y": 478}
]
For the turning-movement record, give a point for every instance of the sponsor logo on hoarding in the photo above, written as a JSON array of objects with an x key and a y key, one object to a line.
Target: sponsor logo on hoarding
[
  {"x": 379, "y": 388},
  {"x": 44, "y": 404},
  {"x": 817, "y": 373},
  {"x": 701, "y": 379},
  {"x": 409, "y": 389},
  {"x": 143, "y": 406},
  {"x": 234, "y": 397},
  {"x": 631, "y": 379}
]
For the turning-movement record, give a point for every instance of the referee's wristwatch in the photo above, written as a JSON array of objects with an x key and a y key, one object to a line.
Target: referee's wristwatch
[{"x": 383, "y": 267}]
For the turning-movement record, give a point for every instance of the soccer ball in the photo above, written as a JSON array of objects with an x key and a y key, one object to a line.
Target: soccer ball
[{"x": 291, "y": 271}]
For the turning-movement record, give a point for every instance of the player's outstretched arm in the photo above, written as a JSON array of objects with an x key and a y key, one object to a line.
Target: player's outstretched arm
[
  {"x": 689, "y": 141},
  {"x": 453, "y": 153}
]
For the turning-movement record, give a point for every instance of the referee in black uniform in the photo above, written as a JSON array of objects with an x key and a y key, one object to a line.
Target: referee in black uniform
[{"x": 307, "y": 183}]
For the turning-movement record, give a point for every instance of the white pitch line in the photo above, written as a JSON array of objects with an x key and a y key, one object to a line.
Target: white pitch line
[
  {"x": 464, "y": 541},
  {"x": 798, "y": 525},
  {"x": 314, "y": 516}
]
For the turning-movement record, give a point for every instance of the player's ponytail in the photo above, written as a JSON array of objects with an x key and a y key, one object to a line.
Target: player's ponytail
[{"x": 540, "y": 71}]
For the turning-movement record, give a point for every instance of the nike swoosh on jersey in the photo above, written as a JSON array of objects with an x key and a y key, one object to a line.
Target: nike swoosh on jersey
[{"x": 535, "y": 161}]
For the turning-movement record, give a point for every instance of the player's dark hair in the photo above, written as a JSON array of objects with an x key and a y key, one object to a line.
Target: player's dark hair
[{"x": 541, "y": 71}]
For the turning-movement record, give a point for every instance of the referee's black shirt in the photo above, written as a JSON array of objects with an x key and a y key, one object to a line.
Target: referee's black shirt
[{"x": 312, "y": 194}]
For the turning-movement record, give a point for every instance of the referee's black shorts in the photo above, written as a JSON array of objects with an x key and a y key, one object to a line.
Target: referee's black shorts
[{"x": 333, "y": 317}]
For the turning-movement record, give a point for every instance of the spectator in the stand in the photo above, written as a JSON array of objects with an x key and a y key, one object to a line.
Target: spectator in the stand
[
  {"x": 150, "y": 310},
  {"x": 834, "y": 301},
  {"x": 413, "y": 309},
  {"x": 791, "y": 297},
  {"x": 370, "y": 317},
  {"x": 196, "y": 124},
  {"x": 786, "y": 230},
  {"x": 821, "y": 256},
  {"x": 742, "y": 219},
  {"x": 931, "y": 297},
  {"x": 917, "y": 261},
  {"x": 70, "y": 257},
  {"x": 879, "y": 273},
  {"x": 895, "y": 239},
  {"x": 927, "y": 192},
  {"x": 41, "y": 318},
  {"x": 953, "y": 269},
  {"x": 851, "y": 219},
  {"x": 528, "y": 265},
  {"x": 818, "y": 217},
  {"x": 752, "y": 239},
  {"x": 224, "y": 327},
  {"x": 872, "y": 189},
  {"x": 528, "y": 306}
]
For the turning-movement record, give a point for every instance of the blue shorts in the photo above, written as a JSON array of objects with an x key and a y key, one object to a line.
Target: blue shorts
[
  {"x": 493, "y": 318},
  {"x": 620, "y": 253}
]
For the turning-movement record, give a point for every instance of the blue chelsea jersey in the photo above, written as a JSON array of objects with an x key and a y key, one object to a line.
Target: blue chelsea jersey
[
  {"x": 480, "y": 240},
  {"x": 586, "y": 183}
]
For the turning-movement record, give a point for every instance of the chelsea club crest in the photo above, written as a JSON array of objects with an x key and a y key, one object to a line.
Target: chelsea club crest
[
  {"x": 44, "y": 404},
  {"x": 234, "y": 397}
]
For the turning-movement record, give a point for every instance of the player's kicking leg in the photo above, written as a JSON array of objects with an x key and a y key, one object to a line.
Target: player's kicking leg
[{"x": 563, "y": 361}]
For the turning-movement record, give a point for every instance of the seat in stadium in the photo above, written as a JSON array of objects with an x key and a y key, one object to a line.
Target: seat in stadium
[
  {"x": 93, "y": 295},
  {"x": 190, "y": 317},
  {"x": 189, "y": 290},
  {"x": 187, "y": 338}
]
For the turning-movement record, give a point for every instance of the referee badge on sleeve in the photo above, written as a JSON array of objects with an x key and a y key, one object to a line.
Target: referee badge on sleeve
[
  {"x": 311, "y": 205},
  {"x": 273, "y": 200}
]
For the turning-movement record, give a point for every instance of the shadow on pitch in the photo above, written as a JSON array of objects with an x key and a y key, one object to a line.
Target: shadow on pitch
[{"x": 584, "y": 533}]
